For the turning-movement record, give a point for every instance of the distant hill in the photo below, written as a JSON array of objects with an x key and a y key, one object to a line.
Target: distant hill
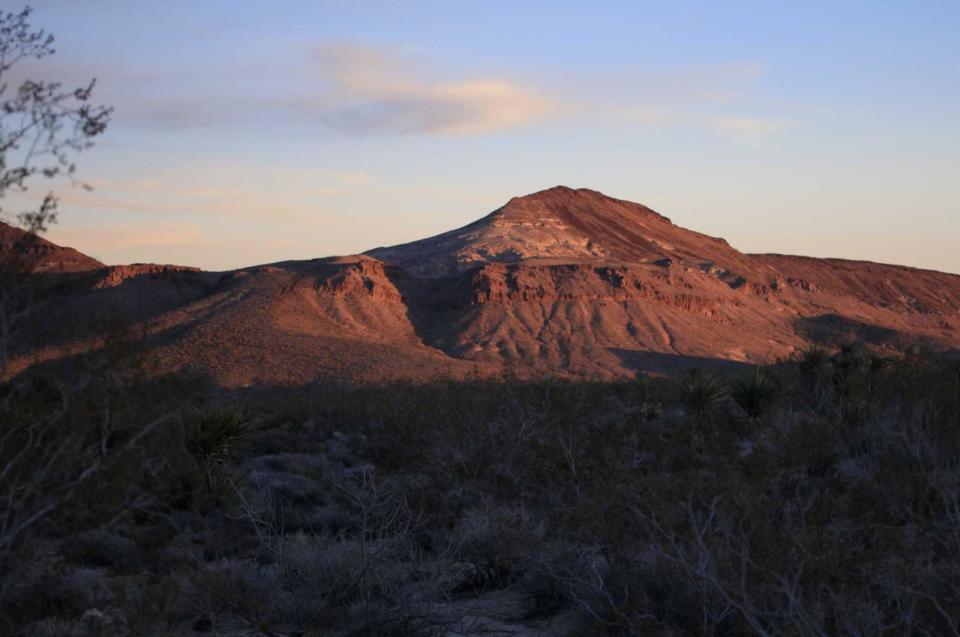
[
  {"x": 41, "y": 255},
  {"x": 561, "y": 282}
]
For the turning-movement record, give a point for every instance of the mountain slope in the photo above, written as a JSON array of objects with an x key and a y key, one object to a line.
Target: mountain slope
[
  {"x": 40, "y": 255},
  {"x": 561, "y": 282}
]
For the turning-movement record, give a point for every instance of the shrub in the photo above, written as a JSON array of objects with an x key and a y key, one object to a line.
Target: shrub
[
  {"x": 755, "y": 394},
  {"x": 702, "y": 392}
]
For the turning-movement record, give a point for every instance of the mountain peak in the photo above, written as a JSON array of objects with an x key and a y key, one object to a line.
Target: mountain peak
[
  {"x": 575, "y": 203},
  {"x": 556, "y": 192},
  {"x": 560, "y": 223},
  {"x": 563, "y": 195}
]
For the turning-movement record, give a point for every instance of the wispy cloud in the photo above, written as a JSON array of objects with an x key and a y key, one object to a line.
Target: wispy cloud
[
  {"x": 237, "y": 190},
  {"x": 710, "y": 98},
  {"x": 372, "y": 90},
  {"x": 376, "y": 91},
  {"x": 751, "y": 131},
  {"x": 107, "y": 238},
  {"x": 651, "y": 86},
  {"x": 361, "y": 89}
]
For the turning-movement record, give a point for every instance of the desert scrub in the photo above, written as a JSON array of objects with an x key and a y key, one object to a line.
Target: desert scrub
[{"x": 602, "y": 508}]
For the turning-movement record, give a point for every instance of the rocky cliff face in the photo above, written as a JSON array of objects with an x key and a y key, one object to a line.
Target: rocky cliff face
[
  {"x": 562, "y": 282},
  {"x": 111, "y": 277}
]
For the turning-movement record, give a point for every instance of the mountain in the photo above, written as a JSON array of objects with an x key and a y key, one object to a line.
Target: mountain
[
  {"x": 40, "y": 255},
  {"x": 559, "y": 225},
  {"x": 561, "y": 282}
]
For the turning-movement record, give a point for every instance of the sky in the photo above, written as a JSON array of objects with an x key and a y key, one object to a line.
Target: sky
[{"x": 252, "y": 132}]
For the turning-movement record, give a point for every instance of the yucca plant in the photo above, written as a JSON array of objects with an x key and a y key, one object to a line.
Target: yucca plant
[
  {"x": 878, "y": 362},
  {"x": 847, "y": 365},
  {"x": 755, "y": 394},
  {"x": 210, "y": 435},
  {"x": 850, "y": 356},
  {"x": 954, "y": 370},
  {"x": 702, "y": 392},
  {"x": 814, "y": 363},
  {"x": 213, "y": 432}
]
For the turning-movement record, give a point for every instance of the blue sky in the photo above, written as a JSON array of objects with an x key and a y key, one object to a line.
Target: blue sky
[{"x": 252, "y": 132}]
